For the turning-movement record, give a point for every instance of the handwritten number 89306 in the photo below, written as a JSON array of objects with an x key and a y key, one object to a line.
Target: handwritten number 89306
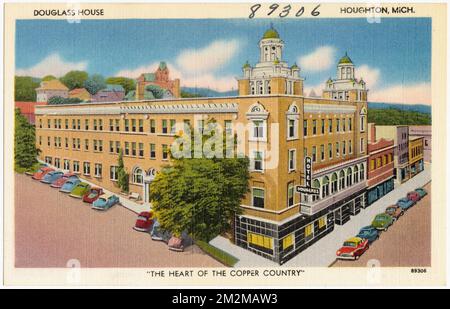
[{"x": 282, "y": 11}]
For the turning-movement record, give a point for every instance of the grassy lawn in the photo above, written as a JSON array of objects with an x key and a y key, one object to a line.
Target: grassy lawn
[{"x": 216, "y": 253}]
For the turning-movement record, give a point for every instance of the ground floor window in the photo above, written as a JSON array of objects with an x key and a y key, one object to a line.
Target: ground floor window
[
  {"x": 288, "y": 242},
  {"x": 260, "y": 241},
  {"x": 137, "y": 176},
  {"x": 86, "y": 168},
  {"x": 322, "y": 222},
  {"x": 258, "y": 197},
  {"x": 48, "y": 160},
  {"x": 66, "y": 164},
  {"x": 98, "y": 170},
  {"x": 113, "y": 175},
  {"x": 76, "y": 166},
  {"x": 309, "y": 229},
  {"x": 57, "y": 163}
]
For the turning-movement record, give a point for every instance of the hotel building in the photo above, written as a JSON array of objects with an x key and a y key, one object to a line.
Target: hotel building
[{"x": 284, "y": 127}]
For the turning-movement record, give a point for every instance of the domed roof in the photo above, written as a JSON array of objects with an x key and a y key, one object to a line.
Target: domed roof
[
  {"x": 346, "y": 59},
  {"x": 271, "y": 34},
  {"x": 294, "y": 66}
]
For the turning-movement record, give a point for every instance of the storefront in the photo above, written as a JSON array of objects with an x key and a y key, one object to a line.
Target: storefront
[{"x": 378, "y": 191}]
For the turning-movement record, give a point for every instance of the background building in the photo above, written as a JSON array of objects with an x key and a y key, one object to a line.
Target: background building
[
  {"x": 415, "y": 155},
  {"x": 111, "y": 93},
  {"x": 51, "y": 88},
  {"x": 27, "y": 109},
  {"x": 80, "y": 93},
  {"x": 159, "y": 78},
  {"x": 425, "y": 132}
]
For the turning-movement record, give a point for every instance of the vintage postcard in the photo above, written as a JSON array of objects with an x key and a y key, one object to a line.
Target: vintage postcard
[{"x": 241, "y": 144}]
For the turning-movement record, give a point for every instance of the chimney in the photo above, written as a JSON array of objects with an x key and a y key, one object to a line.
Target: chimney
[{"x": 372, "y": 133}]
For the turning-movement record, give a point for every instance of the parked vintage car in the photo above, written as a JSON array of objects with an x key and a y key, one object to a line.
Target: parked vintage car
[
  {"x": 370, "y": 233},
  {"x": 105, "y": 202},
  {"x": 35, "y": 170},
  {"x": 382, "y": 221},
  {"x": 413, "y": 196},
  {"x": 42, "y": 172},
  {"x": 422, "y": 192},
  {"x": 144, "y": 222},
  {"x": 395, "y": 212},
  {"x": 159, "y": 234},
  {"x": 353, "y": 248},
  {"x": 176, "y": 244},
  {"x": 92, "y": 195},
  {"x": 80, "y": 189},
  {"x": 68, "y": 186},
  {"x": 405, "y": 203},
  {"x": 52, "y": 176},
  {"x": 58, "y": 183}
]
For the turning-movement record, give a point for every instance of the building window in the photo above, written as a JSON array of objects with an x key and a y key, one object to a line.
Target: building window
[
  {"x": 40, "y": 140},
  {"x": 362, "y": 120},
  {"x": 290, "y": 194},
  {"x": 66, "y": 164},
  {"x": 322, "y": 126},
  {"x": 316, "y": 184},
  {"x": 292, "y": 159},
  {"x": 322, "y": 152},
  {"x": 76, "y": 166},
  {"x": 314, "y": 127},
  {"x": 334, "y": 183},
  {"x": 288, "y": 242},
  {"x": 259, "y": 241},
  {"x": 314, "y": 154},
  {"x": 338, "y": 125},
  {"x": 361, "y": 172},
  {"x": 330, "y": 125},
  {"x": 86, "y": 168},
  {"x": 172, "y": 126},
  {"x": 74, "y": 126},
  {"x": 309, "y": 229},
  {"x": 117, "y": 124},
  {"x": 86, "y": 144},
  {"x": 258, "y": 161},
  {"x": 141, "y": 150},
  {"x": 349, "y": 124},
  {"x": 164, "y": 126},
  {"x": 66, "y": 124},
  {"x": 78, "y": 124},
  {"x": 133, "y": 125},
  {"x": 100, "y": 125},
  {"x": 372, "y": 164},
  {"x": 127, "y": 148},
  {"x": 341, "y": 180},
  {"x": 228, "y": 127},
  {"x": 344, "y": 148},
  {"x": 165, "y": 152},
  {"x": 350, "y": 150},
  {"x": 113, "y": 174},
  {"x": 98, "y": 170},
  {"x": 322, "y": 222},
  {"x": 152, "y": 151},
  {"x": 137, "y": 176},
  {"x": 127, "y": 125},
  {"x": 258, "y": 197},
  {"x": 291, "y": 128},
  {"x": 111, "y": 146},
  {"x": 258, "y": 129},
  {"x": 78, "y": 143},
  {"x": 343, "y": 124},
  {"x": 361, "y": 145},
  {"x": 356, "y": 175},
  {"x": 305, "y": 127},
  {"x": 66, "y": 141},
  {"x": 152, "y": 126},
  {"x": 337, "y": 149},
  {"x": 111, "y": 125},
  {"x": 325, "y": 187},
  {"x": 133, "y": 149},
  {"x": 95, "y": 125},
  {"x": 349, "y": 177},
  {"x": 117, "y": 147},
  {"x": 141, "y": 125},
  {"x": 57, "y": 163},
  {"x": 330, "y": 151},
  {"x": 40, "y": 124},
  {"x": 48, "y": 160},
  {"x": 95, "y": 145}
]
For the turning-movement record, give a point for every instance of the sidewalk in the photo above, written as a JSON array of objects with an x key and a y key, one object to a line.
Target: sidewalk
[{"x": 322, "y": 253}]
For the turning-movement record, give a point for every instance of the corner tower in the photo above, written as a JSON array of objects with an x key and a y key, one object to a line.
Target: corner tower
[{"x": 271, "y": 75}]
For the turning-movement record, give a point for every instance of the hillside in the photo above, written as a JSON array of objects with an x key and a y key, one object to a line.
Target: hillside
[{"x": 394, "y": 116}]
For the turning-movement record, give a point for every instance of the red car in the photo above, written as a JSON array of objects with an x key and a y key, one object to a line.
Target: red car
[
  {"x": 41, "y": 173},
  {"x": 353, "y": 248},
  {"x": 144, "y": 222},
  {"x": 92, "y": 195},
  {"x": 58, "y": 183},
  {"x": 413, "y": 196}
]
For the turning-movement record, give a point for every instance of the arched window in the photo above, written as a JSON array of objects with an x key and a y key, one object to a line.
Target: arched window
[
  {"x": 341, "y": 180},
  {"x": 137, "y": 175},
  {"x": 362, "y": 175},
  {"x": 355, "y": 175},
  {"x": 315, "y": 184},
  {"x": 349, "y": 176},
  {"x": 334, "y": 183},
  {"x": 325, "y": 187}
]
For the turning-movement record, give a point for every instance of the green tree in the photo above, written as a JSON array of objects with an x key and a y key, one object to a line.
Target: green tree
[
  {"x": 48, "y": 77},
  {"x": 394, "y": 116},
  {"x": 122, "y": 175},
  {"x": 127, "y": 83},
  {"x": 200, "y": 195},
  {"x": 186, "y": 94},
  {"x": 25, "y": 151},
  {"x": 95, "y": 83},
  {"x": 74, "y": 79},
  {"x": 25, "y": 88},
  {"x": 60, "y": 100},
  {"x": 157, "y": 91}
]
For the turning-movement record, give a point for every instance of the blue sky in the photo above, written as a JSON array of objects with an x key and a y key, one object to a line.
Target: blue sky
[{"x": 393, "y": 56}]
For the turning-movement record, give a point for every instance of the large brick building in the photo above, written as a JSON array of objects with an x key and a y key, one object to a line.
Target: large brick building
[
  {"x": 160, "y": 78},
  {"x": 283, "y": 127}
]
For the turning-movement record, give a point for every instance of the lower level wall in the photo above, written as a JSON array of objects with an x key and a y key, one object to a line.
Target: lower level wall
[{"x": 380, "y": 190}]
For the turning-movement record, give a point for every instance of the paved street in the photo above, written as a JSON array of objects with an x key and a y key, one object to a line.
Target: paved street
[
  {"x": 406, "y": 243},
  {"x": 52, "y": 228},
  {"x": 323, "y": 252}
]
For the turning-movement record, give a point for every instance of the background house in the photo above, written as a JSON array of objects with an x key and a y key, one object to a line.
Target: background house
[
  {"x": 80, "y": 93},
  {"x": 111, "y": 93},
  {"x": 51, "y": 88}
]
